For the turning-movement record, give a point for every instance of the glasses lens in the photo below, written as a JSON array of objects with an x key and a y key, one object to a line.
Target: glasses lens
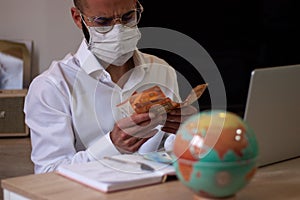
[
  {"x": 103, "y": 29},
  {"x": 129, "y": 19},
  {"x": 103, "y": 24},
  {"x": 103, "y": 21}
]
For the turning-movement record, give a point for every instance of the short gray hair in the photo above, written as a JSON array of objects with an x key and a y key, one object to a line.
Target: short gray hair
[{"x": 80, "y": 4}]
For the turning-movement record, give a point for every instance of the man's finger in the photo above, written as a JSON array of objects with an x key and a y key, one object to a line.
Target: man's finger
[
  {"x": 186, "y": 110},
  {"x": 133, "y": 130},
  {"x": 148, "y": 134},
  {"x": 134, "y": 119},
  {"x": 169, "y": 130}
]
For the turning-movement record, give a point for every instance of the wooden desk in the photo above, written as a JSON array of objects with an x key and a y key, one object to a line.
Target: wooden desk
[{"x": 279, "y": 181}]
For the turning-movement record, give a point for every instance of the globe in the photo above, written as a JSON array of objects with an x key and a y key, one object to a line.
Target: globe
[{"x": 215, "y": 154}]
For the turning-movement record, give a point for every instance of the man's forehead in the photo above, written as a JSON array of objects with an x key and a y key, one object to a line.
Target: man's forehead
[
  {"x": 109, "y": 6},
  {"x": 109, "y": 3}
]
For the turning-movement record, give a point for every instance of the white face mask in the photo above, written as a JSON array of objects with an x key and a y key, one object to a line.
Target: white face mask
[{"x": 115, "y": 47}]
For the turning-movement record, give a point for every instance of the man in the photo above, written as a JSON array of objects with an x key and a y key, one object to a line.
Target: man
[{"x": 71, "y": 109}]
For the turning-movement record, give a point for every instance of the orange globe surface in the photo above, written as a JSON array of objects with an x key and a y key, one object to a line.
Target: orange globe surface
[{"x": 215, "y": 153}]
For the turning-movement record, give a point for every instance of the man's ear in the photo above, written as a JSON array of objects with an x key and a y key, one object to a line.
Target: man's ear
[{"x": 76, "y": 17}]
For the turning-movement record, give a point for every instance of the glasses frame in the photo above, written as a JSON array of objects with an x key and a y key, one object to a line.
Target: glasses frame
[{"x": 139, "y": 10}]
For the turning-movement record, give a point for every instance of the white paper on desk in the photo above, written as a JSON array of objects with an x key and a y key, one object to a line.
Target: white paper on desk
[
  {"x": 11, "y": 72},
  {"x": 108, "y": 175},
  {"x": 152, "y": 144}
]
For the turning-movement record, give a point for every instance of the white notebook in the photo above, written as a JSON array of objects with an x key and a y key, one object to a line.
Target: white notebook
[{"x": 109, "y": 175}]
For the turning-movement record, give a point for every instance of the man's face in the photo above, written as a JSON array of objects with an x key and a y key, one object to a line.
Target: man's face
[
  {"x": 108, "y": 8},
  {"x": 102, "y": 8}
]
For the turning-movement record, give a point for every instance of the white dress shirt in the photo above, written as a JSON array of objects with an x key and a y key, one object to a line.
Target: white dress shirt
[{"x": 71, "y": 107}]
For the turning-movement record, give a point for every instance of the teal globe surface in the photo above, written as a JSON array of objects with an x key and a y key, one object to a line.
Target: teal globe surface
[{"x": 215, "y": 154}]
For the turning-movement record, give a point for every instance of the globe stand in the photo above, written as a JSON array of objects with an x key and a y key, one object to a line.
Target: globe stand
[{"x": 196, "y": 197}]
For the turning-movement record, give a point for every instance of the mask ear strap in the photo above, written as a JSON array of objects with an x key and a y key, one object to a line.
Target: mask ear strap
[{"x": 85, "y": 31}]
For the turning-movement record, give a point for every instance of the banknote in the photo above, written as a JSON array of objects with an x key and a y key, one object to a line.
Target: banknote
[{"x": 154, "y": 100}]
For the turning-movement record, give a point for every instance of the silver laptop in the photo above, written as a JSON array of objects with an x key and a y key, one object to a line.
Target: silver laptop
[{"x": 273, "y": 112}]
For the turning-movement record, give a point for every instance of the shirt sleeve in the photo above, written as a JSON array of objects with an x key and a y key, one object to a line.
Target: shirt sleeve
[
  {"x": 102, "y": 147},
  {"x": 48, "y": 115}
]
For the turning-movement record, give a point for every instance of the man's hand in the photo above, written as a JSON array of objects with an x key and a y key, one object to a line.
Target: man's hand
[
  {"x": 131, "y": 132},
  {"x": 176, "y": 117}
]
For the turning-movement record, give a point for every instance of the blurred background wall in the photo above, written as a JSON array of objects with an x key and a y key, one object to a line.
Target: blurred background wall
[
  {"x": 240, "y": 35},
  {"x": 47, "y": 23}
]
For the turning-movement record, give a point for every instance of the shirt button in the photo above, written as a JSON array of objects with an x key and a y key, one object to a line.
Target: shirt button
[{"x": 76, "y": 61}]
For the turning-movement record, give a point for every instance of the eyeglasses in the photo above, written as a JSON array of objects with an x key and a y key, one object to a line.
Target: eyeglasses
[{"x": 106, "y": 24}]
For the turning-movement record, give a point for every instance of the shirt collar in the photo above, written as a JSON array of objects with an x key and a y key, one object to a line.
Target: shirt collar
[{"x": 89, "y": 63}]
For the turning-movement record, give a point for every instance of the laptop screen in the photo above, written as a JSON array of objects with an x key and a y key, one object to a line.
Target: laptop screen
[{"x": 273, "y": 112}]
